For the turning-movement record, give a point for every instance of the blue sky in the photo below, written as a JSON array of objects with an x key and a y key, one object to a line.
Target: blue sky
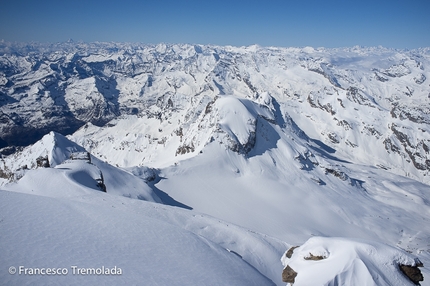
[{"x": 298, "y": 23}]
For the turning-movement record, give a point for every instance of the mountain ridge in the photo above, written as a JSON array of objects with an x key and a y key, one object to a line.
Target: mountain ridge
[
  {"x": 346, "y": 97},
  {"x": 275, "y": 193},
  {"x": 242, "y": 151}
]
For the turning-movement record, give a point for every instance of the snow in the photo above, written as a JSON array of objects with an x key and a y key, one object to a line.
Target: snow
[
  {"x": 216, "y": 160},
  {"x": 289, "y": 205},
  {"x": 348, "y": 262},
  {"x": 60, "y": 233},
  {"x": 288, "y": 75},
  {"x": 66, "y": 219}
]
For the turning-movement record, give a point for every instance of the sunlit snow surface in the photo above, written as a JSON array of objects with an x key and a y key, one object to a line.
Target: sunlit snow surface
[
  {"x": 348, "y": 262},
  {"x": 149, "y": 243},
  {"x": 233, "y": 157},
  {"x": 58, "y": 217}
]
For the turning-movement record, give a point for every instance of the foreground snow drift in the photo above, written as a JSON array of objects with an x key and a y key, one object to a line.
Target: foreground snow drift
[
  {"x": 43, "y": 232},
  {"x": 339, "y": 261},
  {"x": 262, "y": 173}
]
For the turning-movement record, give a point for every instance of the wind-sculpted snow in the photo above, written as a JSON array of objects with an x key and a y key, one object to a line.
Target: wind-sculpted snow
[
  {"x": 339, "y": 261},
  {"x": 59, "y": 153},
  {"x": 62, "y": 219},
  {"x": 347, "y": 98},
  {"x": 279, "y": 196},
  {"x": 143, "y": 242},
  {"x": 288, "y": 143}
]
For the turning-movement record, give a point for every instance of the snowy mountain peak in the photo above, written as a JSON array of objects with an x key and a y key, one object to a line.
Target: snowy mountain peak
[
  {"x": 369, "y": 104},
  {"x": 52, "y": 150},
  {"x": 229, "y": 121},
  {"x": 234, "y": 153}
]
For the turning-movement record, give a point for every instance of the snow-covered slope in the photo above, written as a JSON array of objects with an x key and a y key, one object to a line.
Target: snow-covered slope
[
  {"x": 369, "y": 104},
  {"x": 260, "y": 148},
  {"x": 338, "y": 261},
  {"x": 143, "y": 240},
  {"x": 58, "y": 150},
  {"x": 58, "y": 217}
]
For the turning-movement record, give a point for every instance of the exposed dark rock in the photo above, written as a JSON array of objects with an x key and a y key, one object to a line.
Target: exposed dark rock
[
  {"x": 85, "y": 156},
  {"x": 250, "y": 86},
  {"x": 314, "y": 257},
  {"x": 208, "y": 108},
  {"x": 413, "y": 273},
  {"x": 380, "y": 78},
  {"x": 339, "y": 174},
  {"x": 327, "y": 107},
  {"x": 356, "y": 95},
  {"x": 184, "y": 149},
  {"x": 101, "y": 183},
  {"x": 341, "y": 102},
  {"x": 390, "y": 146},
  {"x": 5, "y": 174},
  {"x": 353, "y": 145},
  {"x": 345, "y": 124},
  {"x": 410, "y": 91},
  {"x": 420, "y": 162},
  {"x": 315, "y": 103},
  {"x": 417, "y": 114},
  {"x": 240, "y": 148},
  {"x": 288, "y": 275},
  {"x": 370, "y": 130},
  {"x": 397, "y": 70},
  {"x": 291, "y": 251},
  {"x": 333, "y": 138},
  {"x": 312, "y": 102},
  {"x": 42, "y": 162}
]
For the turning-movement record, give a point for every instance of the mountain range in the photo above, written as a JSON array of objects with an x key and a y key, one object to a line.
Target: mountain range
[{"x": 250, "y": 149}]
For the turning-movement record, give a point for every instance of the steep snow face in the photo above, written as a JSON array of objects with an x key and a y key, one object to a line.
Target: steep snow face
[
  {"x": 53, "y": 147},
  {"x": 369, "y": 104},
  {"x": 238, "y": 119},
  {"x": 135, "y": 141},
  {"x": 339, "y": 261},
  {"x": 227, "y": 120}
]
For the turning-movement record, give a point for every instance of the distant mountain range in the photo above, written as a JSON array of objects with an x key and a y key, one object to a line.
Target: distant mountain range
[
  {"x": 274, "y": 145},
  {"x": 371, "y": 105}
]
